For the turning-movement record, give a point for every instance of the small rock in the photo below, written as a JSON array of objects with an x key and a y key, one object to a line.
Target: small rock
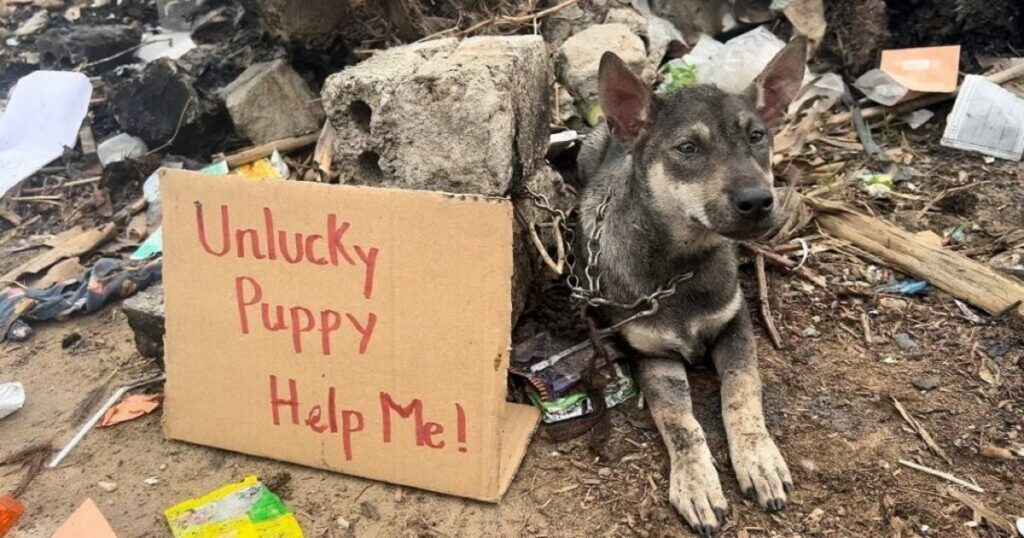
[
  {"x": 70, "y": 339},
  {"x": 36, "y": 22},
  {"x": 808, "y": 465},
  {"x": 904, "y": 342},
  {"x": 926, "y": 383},
  {"x": 109, "y": 487},
  {"x": 632, "y": 18},
  {"x": 810, "y": 332},
  {"x": 152, "y": 481},
  {"x": 270, "y": 101},
  {"x": 579, "y": 57},
  {"x": 343, "y": 523},
  {"x": 163, "y": 467},
  {"x": 604, "y": 472}
]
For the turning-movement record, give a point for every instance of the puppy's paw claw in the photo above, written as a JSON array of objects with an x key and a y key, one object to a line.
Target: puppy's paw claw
[
  {"x": 762, "y": 473},
  {"x": 696, "y": 494}
]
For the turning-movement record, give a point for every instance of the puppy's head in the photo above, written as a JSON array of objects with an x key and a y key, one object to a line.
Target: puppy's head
[{"x": 705, "y": 155}]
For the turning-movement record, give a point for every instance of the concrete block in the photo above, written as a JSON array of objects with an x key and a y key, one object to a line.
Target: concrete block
[
  {"x": 145, "y": 312},
  {"x": 579, "y": 57},
  {"x": 270, "y": 101},
  {"x": 464, "y": 118}
]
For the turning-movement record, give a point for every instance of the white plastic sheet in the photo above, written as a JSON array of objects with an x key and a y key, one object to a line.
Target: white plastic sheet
[
  {"x": 43, "y": 116},
  {"x": 12, "y": 398}
]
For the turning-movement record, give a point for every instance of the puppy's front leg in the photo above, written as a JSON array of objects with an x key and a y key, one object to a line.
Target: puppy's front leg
[
  {"x": 759, "y": 466},
  {"x": 694, "y": 488}
]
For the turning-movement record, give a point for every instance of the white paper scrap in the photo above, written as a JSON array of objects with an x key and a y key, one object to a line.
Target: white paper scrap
[{"x": 43, "y": 116}]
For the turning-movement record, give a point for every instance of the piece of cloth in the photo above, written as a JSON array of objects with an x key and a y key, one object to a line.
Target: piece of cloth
[{"x": 107, "y": 280}]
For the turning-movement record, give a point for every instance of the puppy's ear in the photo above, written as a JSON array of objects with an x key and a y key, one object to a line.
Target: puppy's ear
[
  {"x": 625, "y": 100},
  {"x": 776, "y": 87}
]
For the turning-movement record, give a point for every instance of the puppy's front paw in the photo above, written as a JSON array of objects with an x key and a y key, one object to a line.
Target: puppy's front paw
[
  {"x": 761, "y": 471},
  {"x": 696, "y": 493}
]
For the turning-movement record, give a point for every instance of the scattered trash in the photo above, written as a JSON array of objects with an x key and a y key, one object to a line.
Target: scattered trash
[
  {"x": 108, "y": 279},
  {"x": 911, "y": 286},
  {"x": 926, "y": 383},
  {"x": 12, "y": 398},
  {"x": 131, "y": 408},
  {"x": 881, "y": 87},
  {"x": 878, "y": 185},
  {"x": 42, "y": 117},
  {"x": 96, "y": 418},
  {"x": 986, "y": 118},
  {"x": 11, "y": 510},
  {"x": 272, "y": 167},
  {"x": 560, "y": 142},
  {"x": 120, "y": 147},
  {"x": 917, "y": 118},
  {"x": 924, "y": 69},
  {"x": 677, "y": 73},
  {"x": 577, "y": 404},
  {"x": 245, "y": 508},
  {"x": 87, "y": 520},
  {"x": 102, "y": 47},
  {"x": 172, "y": 46}
]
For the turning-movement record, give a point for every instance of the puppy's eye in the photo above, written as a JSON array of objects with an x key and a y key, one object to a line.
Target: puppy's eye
[
  {"x": 687, "y": 148},
  {"x": 757, "y": 136}
]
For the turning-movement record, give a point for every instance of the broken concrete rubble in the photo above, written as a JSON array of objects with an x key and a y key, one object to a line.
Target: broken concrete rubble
[
  {"x": 145, "y": 313},
  {"x": 162, "y": 106},
  {"x": 307, "y": 24},
  {"x": 579, "y": 57},
  {"x": 438, "y": 116},
  {"x": 66, "y": 48},
  {"x": 270, "y": 101}
]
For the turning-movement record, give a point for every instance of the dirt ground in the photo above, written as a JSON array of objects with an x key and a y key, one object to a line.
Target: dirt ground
[{"x": 828, "y": 398}]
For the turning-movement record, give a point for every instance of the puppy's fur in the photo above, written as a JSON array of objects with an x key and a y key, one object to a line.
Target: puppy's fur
[{"x": 684, "y": 176}]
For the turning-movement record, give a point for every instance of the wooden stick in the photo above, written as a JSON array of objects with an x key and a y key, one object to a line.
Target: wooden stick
[
  {"x": 284, "y": 145},
  {"x": 980, "y": 509},
  {"x": 1000, "y": 77},
  {"x": 942, "y": 475},
  {"x": 762, "y": 299},
  {"x": 919, "y": 430},
  {"x": 783, "y": 261},
  {"x": 968, "y": 280},
  {"x": 80, "y": 182}
]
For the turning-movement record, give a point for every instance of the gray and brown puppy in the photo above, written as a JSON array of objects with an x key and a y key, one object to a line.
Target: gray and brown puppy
[{"x": 684, "y": 176}]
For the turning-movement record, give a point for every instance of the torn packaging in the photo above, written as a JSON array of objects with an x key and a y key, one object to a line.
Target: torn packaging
[{"x": 435, "y": 272}]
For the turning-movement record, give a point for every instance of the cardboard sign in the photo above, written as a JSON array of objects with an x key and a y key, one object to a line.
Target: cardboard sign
[
  {"x": 360, "y": 330},
  {"x": 926, "y": 69}
]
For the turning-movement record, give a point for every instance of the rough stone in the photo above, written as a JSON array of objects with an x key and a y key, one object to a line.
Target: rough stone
[
  {"x": 905, "y": 342},
  {"x": 161, "y": 104},
  {"x": 466, "y": 118},
  {"x": 66, "y": 48},
  {"x": 145, "y": 312},
  {"x": 926, "y": 383},
  {"x": 270, "y": 101},
  {"x": 636, "y": 22},
  {"x": 307, "y": 24},
  {"x": 579, "y": 57}
]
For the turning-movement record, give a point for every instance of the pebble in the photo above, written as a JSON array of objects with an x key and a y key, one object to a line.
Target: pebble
[
  {"x": 107, "y": 486},
  {"x": 604, "y": 471},
  {"x": 343, "y": 523},
  {"x": 905, "y": 342},
  {"x": 163, "y": 467},
  {"x": 926, "y": 383},
  {"x": 810, "y": 332},
  {"x": 808, "y": 465},
  {"x": 152, "y": 481}
]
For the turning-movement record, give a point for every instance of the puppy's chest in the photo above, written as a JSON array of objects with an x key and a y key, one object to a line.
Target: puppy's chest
[{"x": 671, "y": 334}]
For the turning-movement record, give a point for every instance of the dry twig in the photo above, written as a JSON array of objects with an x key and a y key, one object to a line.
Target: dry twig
[
  {"x": 919, "y": 430},
  {"x": 942, "y": 475},
  {"x": 762, "y": 299}
]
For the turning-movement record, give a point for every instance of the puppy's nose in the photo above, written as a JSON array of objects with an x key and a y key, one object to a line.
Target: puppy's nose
[{"x": 754, "y": 204}]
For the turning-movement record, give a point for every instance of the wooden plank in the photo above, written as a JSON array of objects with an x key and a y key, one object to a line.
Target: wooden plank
[{"x": 957, "y": 275}]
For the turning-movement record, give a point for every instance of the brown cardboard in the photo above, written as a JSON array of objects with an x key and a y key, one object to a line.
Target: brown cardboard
[
  {"x": 925, "y": 69},
  {"x": 415, "y": 303}
]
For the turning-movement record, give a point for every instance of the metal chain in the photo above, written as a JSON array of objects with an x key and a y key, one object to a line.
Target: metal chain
[{"x": 648, "y": 304}]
